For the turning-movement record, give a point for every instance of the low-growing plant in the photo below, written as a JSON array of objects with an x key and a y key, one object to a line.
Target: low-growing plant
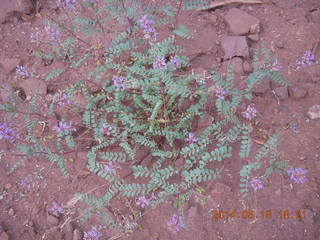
[{"x": 141, "y": 98}]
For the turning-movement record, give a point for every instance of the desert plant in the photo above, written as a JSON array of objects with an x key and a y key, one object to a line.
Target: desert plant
[{"x": 141, "y": 97}]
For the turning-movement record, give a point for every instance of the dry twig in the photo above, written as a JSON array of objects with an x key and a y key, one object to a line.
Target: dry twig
[{"x": 228, "y": 2}]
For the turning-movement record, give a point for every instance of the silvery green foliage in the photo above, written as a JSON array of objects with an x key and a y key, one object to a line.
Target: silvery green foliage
[{"x": 147, "y": 102}]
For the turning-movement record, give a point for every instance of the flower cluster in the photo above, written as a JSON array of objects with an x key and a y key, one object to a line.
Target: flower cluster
[
  {"x": 192, "y": 138},
  {"x": 250, "y": 113},
  {"x": 256, "y": 184},
  {"x": 92, "y": 235},
  {"x": 176, "y": 223},
  {"x": 109, "y": 167},
  {"x": 8, "y": 133},
  {"x": 119, "y": 82},
  {"x": 57, "y": 209},
  {"x": 298, "y": 175},
  {"x": 26, "y": 182},
  {"x": 307, "y": 59},
  {"x": 68, "y": 3},
  {"x": 64, "y": 127},
  {"x": 275, "y": 66},
  {"x": 53, "y": 33},
  {"x": 22, "y": 71},
  {"x": 106, "y": 129},
  {"x": 221, "y": 93},
  {"x": 160, "y": 63},
  {"x": 146, "y": 25},
  {"x": 143, "y": 201},
  {"x": 34, "y": 38},
  {"x": 61, "y": 98},
  {"x": 175, "y": 62}
]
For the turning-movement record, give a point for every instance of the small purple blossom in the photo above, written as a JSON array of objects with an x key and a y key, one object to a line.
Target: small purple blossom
[
  {"x": 250, "y": 113},
  {"x": 68, "y": 3},
  {"x": 92, "y": 235},
  {"x": 25, "y": 183},
  {"x": 53, "y": 33},
  {"x": 8, "y": 133},
  {"x": 109, "y": 167},
  {"x": 106, "y": 129},
  {"x": 119, "y": 82},
  {"x": 148, "y": 30},
  {"x": 221, "y": 93},
  {"x": 57, "y": 209},
  {"x": 63, "y": 99},
  {"x": 176, "y": 223},
  {"x": 298, "y": 175},
  {"x": 192, "y": 138},
  {"x": 307, "y": 59},
  {"x": 275, "y": 66},
  {"x": 34, "y": 37},
  {"x": 160, "y": 63},
  {"x": 142, "y": 201},
  {"x": 22, "y": 70},
  {"x": 175, "y": 62},
  {"x": 64, "y": 127},
  {"x": 256, "y": 184}
]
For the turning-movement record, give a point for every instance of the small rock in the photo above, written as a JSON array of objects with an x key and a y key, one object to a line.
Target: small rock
[
  {"x": 237, "y": 64},
  {"x": 221, "y": 188},
  {"x": 52, "y": 221},
  {"x": 239, "y": 21},
  {"x": 77, "y": 235},
  {"x": 280, "y": 44},
  {"x": 315, "y": 16},
  {"x": 255, "y": 29},
  {"x": 262, "y": 87},
  {"x": 278, "y": 192},
  {"x": 32, "y": 86},
  {"x": 314, "y": 112},
  {"x": 254, "y": 37},
  {"x": 68, "y": 231},
  {"x": 8, "y": 186},
  {"x": 9, "y": 64},
  {"x": 11, "y": 212},
  {"x": 282, "y": 93},
  {"x": 235, "y": 47},
  {"x": 247, "y": 67},
  {"x": 315, "y": 204},
  {"x": 297, "y": 92},
  {"x": 4, "y": 236}
]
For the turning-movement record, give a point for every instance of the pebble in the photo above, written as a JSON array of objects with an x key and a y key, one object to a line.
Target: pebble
[
  {"x": 282, "y": 93},
  {"x": 235, "y": 46},
  {"x": 262, "y": 87},
  {"x": 52, "y": 221},
  {"x": 254, "y": 37},
  {"x": 4, "y": 236},
  {"x": 68, "y": 231},
  {"x": 11, "y": 212},
  {"x": 8, "y": 186},
  {"x": 280, "y": 44},
  {"x": 247, "y": 67},
  {"x": 297, "y": 92},
  {"x": 240, "y": 22},
  {"x": 314, "y": 112},
  {"x": 77, "y": 234}
]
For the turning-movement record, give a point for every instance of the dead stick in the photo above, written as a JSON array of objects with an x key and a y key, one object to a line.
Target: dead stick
[{"x": 227, "y": 2}]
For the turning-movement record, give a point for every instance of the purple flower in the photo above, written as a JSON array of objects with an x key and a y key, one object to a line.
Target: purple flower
[
  {"x": 250, "y": 113},
  {"x": 109, "y": 167},
  {"x": 298, "y": 175},
  {"x": 56, "y": 208},
  {"x": 22, "y": 70},
  {"x": 307, "y": 59},
  {"x": 25, "y": 183},
  {"x": 34, "y": 37},
  {"x": 175, "y": 62},
  {"x": 53, "y": 33},
  {"x": 148, "y": 30},
  {"x": 8, "y": 133},
  {"x": 106, "y": 129},
  {"x": 256, "y": 184},
  {"x": 63, "y": 127},
  {"x": 119, "y": 82},
  {"x": 160, "y": 63},
  {"x": 176, "y": 223},
  {"x": 92, "y": 235},
  {"x": 192, "y": 138},
  {"x": 63, "y": 99},
  {"x": 275, "y": 66},
  {"x": 220, "y": 93},
  {"x": 68, "y": 3},
  {"x": 142, "y": 201}
]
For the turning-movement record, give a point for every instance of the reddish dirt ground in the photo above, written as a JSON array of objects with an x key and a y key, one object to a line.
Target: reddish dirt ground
[{"x": 290, "y": 27}]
